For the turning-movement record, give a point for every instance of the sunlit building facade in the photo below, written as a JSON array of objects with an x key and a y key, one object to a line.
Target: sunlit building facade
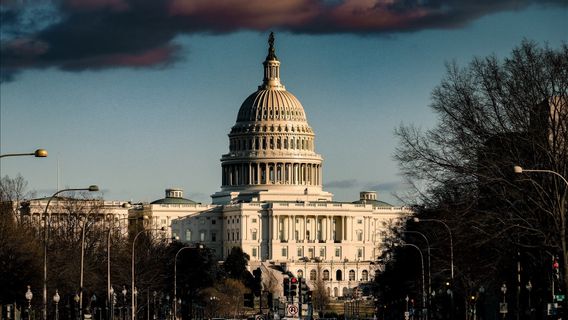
[{"x": 272, "y": 203}]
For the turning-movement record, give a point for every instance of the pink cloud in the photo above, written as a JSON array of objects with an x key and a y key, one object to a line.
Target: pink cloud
[
  {"x": 152, "y": 57},
  {"x": 374, "y": 15},
  {"x": 253, "y": 14}
]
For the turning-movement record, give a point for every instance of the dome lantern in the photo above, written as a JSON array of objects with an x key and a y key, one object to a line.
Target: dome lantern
[{"x": 271, "y": 68}]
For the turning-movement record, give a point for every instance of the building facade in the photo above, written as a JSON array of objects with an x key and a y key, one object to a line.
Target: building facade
[{"x": 272, "y": 203}]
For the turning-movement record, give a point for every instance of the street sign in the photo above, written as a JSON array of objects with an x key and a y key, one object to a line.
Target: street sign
[
  {"x": 407, "y": 315},
  {"x": 559, "y": 297},
  {"x": 503, "y": 307},
  {"x": 292, "y": 309}
]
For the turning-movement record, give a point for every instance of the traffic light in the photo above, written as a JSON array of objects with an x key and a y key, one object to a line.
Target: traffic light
[
  {"x": 286, "y": 287},
  {"x": 293, "y": 286},
  {"x": 556, "y": 268},
  {"x": 303, "y": 290},
  {"x": 257, "y": 286}
]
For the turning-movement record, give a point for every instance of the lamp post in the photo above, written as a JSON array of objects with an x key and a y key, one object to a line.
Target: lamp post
[
  {"x": 91, "y": 188},
  {"x": 416, "y": 219},
  {"x": 423, "y": 285},
  {"x": 562, "y": 212},
  {"x": 47, "y": 219},
  {"x": 29, "y": 295},
  {"x": 504, "y": 290},
  {"x": 125, "y": 312},
  {"x": 133, "y": 305},
  {"x": 175, "y": 279},
  {"x": 109, "y": 288},
  {"x": 56, "y": 299},
  {"x": 529, "y": 288},
  {"x": 199, "y": 246},
  {"x": 428, "y": 249},
  {"x": 111, "y": 302},
  {"x": 39, "y": 153},
  {"x": 77, "y": 300}
]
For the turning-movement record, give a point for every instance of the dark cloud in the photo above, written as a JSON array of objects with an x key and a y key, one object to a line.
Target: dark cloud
[
  {"x": 96, "y": 34},
  {"x": 342, "y": 184},
  {"x": 390, "y": 186}
]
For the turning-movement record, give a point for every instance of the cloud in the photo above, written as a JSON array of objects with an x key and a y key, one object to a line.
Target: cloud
[
  {"x": 342, "y": 184},
  {"x": 390, "y": 186},
  {"x": 96, "y": 34}
]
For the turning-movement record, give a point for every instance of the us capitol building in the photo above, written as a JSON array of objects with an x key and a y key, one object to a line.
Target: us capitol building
[{"x": 272, "y": 204}]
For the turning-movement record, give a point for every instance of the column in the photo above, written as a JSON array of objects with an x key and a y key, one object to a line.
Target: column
[{"x": 246, "y": 228}]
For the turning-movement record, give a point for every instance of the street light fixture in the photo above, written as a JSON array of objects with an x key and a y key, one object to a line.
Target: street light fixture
[
  {"x": 424, "y": 305},
  {"x": 109, "y": 288},
  {"x": 133, "y": 299},
  {"x": 521, "y": 170},
  {"x": 200, "y": 246},
  {"x": 429, "y": 264},
  {"x": 56, "y": 299},
  {"x": 47, "y": 219},
  {"x": 29, "y": 296},
  {"x": 416, "y": 219},
  {"x": 39, "y": 153}
]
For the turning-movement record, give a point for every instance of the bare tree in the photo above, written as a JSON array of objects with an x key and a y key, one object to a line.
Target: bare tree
[
  {"x": 320, "y": 296},
  {"x": 493, "y": 115}
]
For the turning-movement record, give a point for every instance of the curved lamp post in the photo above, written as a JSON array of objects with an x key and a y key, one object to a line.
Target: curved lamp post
[
  {"x": 39, "y": 153},
  {"x": 429, "y": 264},
  {"x": 133, "y": 299},
  {"x": 520, "y": 170},
  {"x": 109, "y": 288},
  {"x": 422, "y": 263},
  {"x": 91, "y": 188},
  {"x": 200, "y": 246}
]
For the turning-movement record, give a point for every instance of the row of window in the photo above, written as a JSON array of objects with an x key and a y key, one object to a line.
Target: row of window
[
  {"x": 322, "y": 252},
  {"x": 338, "y": 275},
  {"x": 264, "y": 143}
]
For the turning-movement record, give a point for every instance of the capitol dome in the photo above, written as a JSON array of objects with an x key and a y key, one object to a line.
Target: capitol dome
[{"x": 271, "y": 146}]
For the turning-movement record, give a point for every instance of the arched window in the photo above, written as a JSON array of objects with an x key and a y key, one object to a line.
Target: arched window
[
  {"x": 351, "y": 275},
  {"x": 335, "y": 292},
  {"x": 313, "y": 275},
  {"x": 345, "y": 292},
  {"x": 365, "y": 275},
  {"x": 326, "y": 275},
  {"x": 338, "y": 275}
]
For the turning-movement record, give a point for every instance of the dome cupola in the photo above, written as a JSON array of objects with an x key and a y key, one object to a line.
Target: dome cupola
[{"x": 271, "y": 146}]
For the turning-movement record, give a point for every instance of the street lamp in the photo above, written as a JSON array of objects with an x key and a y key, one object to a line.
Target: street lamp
[
  {"x": 422, "y": 263},
  {"x": 112, "y": 298},
  {"x": 29, "y": 296},
  {"x": 56, "y": 298},
  {"x": 133, "y": 305},
  {"x": 47, "y": 219},
  {"x": 521, "y": 170},
  {"x": 504, "y": 290},
  {"x": 39, "y": 153},
  {"x": 77, "y": 300},
  {"x": 200, "y": 246},
  {"x": 109, "y": 288},
  {"x": 416, "y": 219},
  {"x": 125, "y": 312},
  {"x": 428, "y": 248},
  {"x": 529, "y": 289}
]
